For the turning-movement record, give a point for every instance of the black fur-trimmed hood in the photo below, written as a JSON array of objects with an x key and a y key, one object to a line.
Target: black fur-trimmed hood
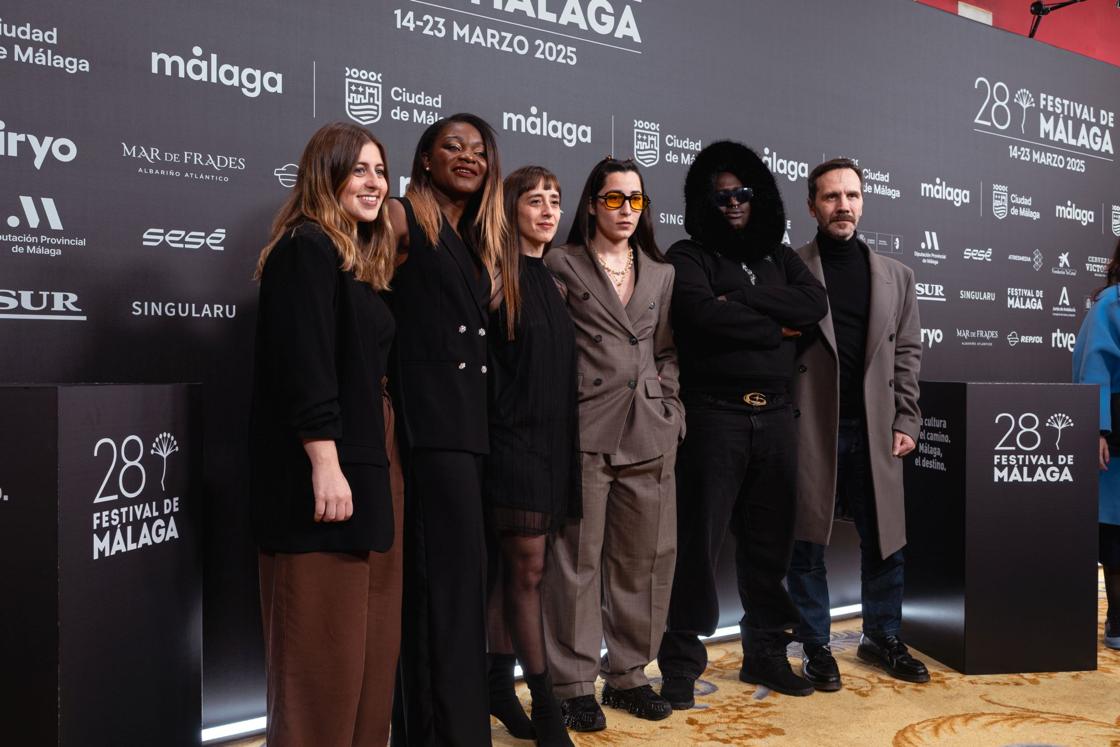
[{"x": 705, "y": 223}]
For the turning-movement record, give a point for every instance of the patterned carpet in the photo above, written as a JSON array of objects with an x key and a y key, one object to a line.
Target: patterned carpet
[{"x": 873, "y": 709}]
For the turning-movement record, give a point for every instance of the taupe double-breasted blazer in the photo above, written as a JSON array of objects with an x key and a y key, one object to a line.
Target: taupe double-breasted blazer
[
  {"x": 890, "y": 393},
  {"x": 627, "y": 371}
]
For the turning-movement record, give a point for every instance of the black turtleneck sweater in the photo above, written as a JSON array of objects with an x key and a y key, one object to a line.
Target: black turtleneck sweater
[{"x": 847, "y": 277}]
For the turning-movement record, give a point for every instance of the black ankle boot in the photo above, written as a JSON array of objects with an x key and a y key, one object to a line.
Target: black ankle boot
[
  {"x": 548, "y": 721},
  {"x": 504, "y": 704}
]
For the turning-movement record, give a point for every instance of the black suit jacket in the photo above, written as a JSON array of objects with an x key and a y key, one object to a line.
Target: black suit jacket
[
  {"x": 439, "y": 298},
  {"x": 322, "y": 345}
]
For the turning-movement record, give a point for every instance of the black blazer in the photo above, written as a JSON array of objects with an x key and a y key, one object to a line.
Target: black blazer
[
  {"x": 322, "y": 346},
  {"x": 439, "y": 298}
]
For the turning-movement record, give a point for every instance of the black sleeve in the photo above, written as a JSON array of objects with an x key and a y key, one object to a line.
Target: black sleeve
[
  {"x": 297, "y": 324},
  {"x": 800, "y": 303},
  {"x": 695, "y": 306}
]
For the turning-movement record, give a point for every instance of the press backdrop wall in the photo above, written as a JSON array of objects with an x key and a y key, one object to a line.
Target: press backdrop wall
[{"x": 144, "y": 148}]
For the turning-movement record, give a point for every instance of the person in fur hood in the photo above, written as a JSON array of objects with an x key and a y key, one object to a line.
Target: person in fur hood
[{"x": 740, "y": 299}]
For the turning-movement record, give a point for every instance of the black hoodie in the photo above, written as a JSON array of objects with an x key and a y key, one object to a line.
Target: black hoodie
[{"x": 735, "y": 289}]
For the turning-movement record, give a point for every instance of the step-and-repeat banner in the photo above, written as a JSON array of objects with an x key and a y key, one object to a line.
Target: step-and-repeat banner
[{"x": 144, "y": 148}]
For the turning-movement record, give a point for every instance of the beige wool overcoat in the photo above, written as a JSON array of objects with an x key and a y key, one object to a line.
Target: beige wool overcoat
[{"x": 890, "y": 389}]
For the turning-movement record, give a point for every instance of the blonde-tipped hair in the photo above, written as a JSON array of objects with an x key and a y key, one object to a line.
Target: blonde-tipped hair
[
  {"x": 367, "y": 249},
  {"x": 484, "y": 223}
]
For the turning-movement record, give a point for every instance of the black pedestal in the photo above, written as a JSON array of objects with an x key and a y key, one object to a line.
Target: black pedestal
[
  {"x": 1001, "y": 517},
  {"x": 99, "y": 541}
]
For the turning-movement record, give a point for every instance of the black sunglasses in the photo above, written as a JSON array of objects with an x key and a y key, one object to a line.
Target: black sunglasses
[{"x": 741, "y": 195}]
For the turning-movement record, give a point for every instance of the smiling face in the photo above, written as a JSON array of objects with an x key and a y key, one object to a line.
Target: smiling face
[
  {"x": 538, "y": 214},
  {"x": 364, "y": 191},
  {"x": 617, "y": 225},
  {"x": 838, "y": 204},
  {"x": 737, "y": 214},
  {"x": 457, "y": 161}
]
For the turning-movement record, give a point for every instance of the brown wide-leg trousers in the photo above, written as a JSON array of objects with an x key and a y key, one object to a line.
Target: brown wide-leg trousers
[{"x": 332, "y": 630}]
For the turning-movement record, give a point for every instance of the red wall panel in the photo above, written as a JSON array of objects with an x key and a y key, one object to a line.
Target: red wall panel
[{"x": 1091, "y": 28}]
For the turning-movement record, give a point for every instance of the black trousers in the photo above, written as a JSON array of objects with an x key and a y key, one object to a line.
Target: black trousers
[
  {"x": 736, "y": 470},
  {"x": 442, "y": 692}
]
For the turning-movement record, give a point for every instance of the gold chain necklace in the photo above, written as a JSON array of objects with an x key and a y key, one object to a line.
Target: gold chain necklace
[{"x": 618, "y": 277}]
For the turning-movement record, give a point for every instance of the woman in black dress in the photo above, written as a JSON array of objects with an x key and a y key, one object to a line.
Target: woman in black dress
[
  {"x": 451, "y": 230},
  {"x": 532, "y": 482},
  {"x": 327, "y": 492}
]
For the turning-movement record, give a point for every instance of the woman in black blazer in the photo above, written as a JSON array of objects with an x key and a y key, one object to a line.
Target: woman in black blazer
[
  {"x": 451, "y": 229},
  {"x": 327, "y": 493}
]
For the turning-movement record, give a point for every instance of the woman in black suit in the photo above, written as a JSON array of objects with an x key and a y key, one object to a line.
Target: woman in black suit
[
  {"x": 451, "y": 229},
  {"x": 327, "y": 492}
]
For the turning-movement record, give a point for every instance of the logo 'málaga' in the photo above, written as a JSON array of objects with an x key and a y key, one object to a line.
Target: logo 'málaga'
[
  {"x": 941, "y": 190},
  {"x": 1070, "y": 211},
  {"x": 790, "y": 168},
  {"x": 539, "y": 123},
  {"x": 250, "y": 80}
]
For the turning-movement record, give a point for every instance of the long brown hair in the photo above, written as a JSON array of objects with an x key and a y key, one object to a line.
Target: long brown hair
[
  {"x": 325, "y": 168},
  {"x": 483, "y": 224},
  {"x": 1111, "y": 274},
  {"x": 583, "y": 226},
  {"x": 516, "y": 184}
]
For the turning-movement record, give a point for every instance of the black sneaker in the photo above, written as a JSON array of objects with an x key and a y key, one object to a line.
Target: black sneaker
[
  {"x": 891, "y": 655},
  {"x": 641, "y": 701},
  {"x": 772, "y": 670},
  {"x": 819, "y": 667},
  {"x": 679, "y": 691},
  {"x": 582, "y": 713}
]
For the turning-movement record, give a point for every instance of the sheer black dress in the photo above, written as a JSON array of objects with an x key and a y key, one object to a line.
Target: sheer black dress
[{"x": 532, "y": 479}]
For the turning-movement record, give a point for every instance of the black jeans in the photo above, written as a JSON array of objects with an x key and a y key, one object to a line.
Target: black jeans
[
  {"x": 736, "y": 470},
  {"x": 881, "y": 579}
]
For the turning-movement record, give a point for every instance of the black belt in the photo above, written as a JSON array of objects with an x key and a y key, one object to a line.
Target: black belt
[{"x": 748, "y": 397}]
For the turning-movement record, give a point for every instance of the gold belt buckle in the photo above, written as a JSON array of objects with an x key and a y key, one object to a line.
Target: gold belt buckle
[{"x": 756, "y": 399}]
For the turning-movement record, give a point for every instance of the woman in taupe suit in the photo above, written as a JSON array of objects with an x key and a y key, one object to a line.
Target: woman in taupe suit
[{"x": 618, "y": 293}]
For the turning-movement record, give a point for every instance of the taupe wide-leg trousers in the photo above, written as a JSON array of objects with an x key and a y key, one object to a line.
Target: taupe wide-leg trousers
[{"x": 609, "y": 576}]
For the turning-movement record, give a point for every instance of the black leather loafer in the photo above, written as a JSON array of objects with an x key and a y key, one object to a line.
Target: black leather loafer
[
  {"x": 819, "y": 667},
  {"x": 891, "y": 655}
]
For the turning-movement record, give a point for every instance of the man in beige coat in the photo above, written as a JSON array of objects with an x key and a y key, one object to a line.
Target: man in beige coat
[{"x": 857, "y": 392}]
